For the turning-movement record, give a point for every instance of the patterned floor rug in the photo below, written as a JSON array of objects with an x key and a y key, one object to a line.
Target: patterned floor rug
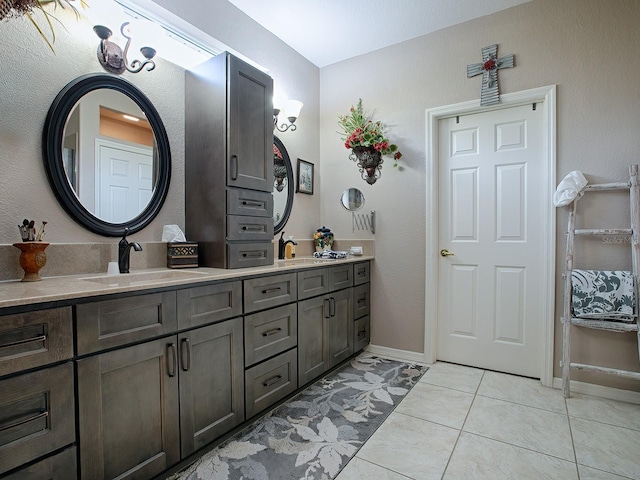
[{"x": 314, "y": 434}]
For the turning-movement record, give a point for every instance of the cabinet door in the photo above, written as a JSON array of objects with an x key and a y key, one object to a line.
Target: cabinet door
[
  {"x": 37, "y": 413},
  {"x": 211, "y": 383},
  {"x": 313, "y": 346},
  {"x": 128, "y": 411},
  {"x": 340, "y": 326},
  {"x": 250, "y": 129}
]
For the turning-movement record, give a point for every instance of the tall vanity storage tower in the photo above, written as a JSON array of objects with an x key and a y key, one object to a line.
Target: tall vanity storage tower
[{"x": 229, "y": 163}]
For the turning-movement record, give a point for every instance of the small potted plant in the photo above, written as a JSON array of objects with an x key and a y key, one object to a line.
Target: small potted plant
[{"x": 368, "y": 142}]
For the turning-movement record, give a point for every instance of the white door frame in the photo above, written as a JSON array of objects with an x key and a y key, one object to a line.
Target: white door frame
[{"x": 547, "y": 98}]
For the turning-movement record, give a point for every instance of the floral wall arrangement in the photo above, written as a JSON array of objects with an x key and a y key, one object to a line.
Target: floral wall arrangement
[{"x": 368, "y": 142}]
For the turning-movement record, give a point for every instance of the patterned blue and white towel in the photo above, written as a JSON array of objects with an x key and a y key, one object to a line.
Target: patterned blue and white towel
[
  {"x": 330, "y": 254},
  {"x": 603, "y": 295}
]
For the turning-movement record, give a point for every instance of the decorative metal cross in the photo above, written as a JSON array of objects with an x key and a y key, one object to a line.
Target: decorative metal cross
[{"x": 489, "y": 70}]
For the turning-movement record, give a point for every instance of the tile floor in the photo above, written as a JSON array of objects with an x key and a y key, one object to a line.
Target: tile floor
[{"x": 465, "y": 423}]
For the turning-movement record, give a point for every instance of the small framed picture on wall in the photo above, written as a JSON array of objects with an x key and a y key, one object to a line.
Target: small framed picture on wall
[{"x": 305, "y": 177}]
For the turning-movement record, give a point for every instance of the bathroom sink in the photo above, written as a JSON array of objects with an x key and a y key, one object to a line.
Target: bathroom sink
[
  {"x": 143, "y": 277},
  {"x": 292, "y": 262}
]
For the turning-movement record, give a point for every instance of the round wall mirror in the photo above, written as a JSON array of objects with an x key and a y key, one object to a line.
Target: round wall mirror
[
  {"x": 282, "y": 185},
  {"x": 352, "y": 199},
  {"x": 107, "y": 154}
]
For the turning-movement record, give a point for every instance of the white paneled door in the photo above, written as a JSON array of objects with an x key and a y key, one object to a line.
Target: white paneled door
[
  {"x": 490, "y": 284},
  {"x": 124, "y": 182}
]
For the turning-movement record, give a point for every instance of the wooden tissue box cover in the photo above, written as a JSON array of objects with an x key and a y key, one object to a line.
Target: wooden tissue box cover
[{"x": 182, "y": 254}]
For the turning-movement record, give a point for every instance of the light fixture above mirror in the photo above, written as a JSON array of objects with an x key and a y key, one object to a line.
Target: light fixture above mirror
[
  {"x": 291, "y": 111},
  {"x": 113, "y": 59}
]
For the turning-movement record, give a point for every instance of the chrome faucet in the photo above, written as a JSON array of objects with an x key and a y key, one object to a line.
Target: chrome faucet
[
  {"x": 124, "y": 251},
  {"x": 282, "y": 246}
]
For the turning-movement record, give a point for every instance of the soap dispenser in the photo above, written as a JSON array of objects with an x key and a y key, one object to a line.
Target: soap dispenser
[{"x": 290, "y": 248}]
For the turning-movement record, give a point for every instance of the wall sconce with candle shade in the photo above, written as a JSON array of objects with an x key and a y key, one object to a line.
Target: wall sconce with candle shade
[
  {"x": 291, "y": 111},
  {"x": 114, "y": 60}
]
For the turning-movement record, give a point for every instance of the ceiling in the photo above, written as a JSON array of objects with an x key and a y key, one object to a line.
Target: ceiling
[{"x": 328, "y": 31}]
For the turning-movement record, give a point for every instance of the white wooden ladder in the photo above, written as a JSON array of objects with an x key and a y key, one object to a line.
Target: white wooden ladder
[{"x": 568, "y": 319}]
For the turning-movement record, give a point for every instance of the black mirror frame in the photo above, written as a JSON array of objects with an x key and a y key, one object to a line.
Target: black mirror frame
[
  {"x": 277, "y": 228},
  {"x": 52, "y": 140}
]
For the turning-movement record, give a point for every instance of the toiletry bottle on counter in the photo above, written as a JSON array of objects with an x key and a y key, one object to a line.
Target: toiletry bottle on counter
[{"x": 290, "y": 249}]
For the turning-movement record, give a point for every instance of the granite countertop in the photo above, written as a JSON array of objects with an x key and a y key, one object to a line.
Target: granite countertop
[{"x": 52, "y": 289}]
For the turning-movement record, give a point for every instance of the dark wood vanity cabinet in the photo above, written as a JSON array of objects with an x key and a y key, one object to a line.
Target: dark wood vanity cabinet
[
  {"x": 229, "y": 163},
  {"x": 325, "y": 322},
  {"x": 270, "y": 340},
  {"x": 144, "y": 407},
  {"x": 361, "y": 306},
  {"x": 157, "y": 376},
  {"x": 37, "y": 402}
]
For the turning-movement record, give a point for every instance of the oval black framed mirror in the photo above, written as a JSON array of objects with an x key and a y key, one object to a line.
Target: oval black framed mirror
[
  {"x": 352, "y": 199},
  {"x": 282, "y": 185},
  {"x": 107, "y": 155}
]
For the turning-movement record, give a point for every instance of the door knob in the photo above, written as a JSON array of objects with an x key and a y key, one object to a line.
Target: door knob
[{"x": 446, "y": 253}]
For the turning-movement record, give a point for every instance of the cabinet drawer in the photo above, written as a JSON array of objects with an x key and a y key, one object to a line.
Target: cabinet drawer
[
  {"x": 210, "y": 303},
  {"x": 37, "y": 415},
  {"x": 61, "y": 466},
  {"x": 270, "y": 381},
  {"x": 254, "y": 229},
  {"x": 111, "y": 323},
  {"x": 270, "y": 332},
  {"x": 249, "y": 202},
  {"x": 361, "y": 272},
  {"x": 340, "y": 277},
  {"x": 313, "y": 282},
  {"x": 34, "y": 339},
  {"x": 267, "y": 292},
  {"x": 361, "y": 333},
  {"x": 256, "y": 254},
  {"x": 361, "y": 300}
]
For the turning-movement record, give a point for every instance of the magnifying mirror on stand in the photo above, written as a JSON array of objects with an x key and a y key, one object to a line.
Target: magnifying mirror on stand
[{"x": 352, "y": 200}]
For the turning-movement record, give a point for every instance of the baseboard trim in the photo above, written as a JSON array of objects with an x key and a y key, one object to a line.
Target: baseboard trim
[
  {"x": 594, "y": 390},
  {"x": 395, "y": 354}
]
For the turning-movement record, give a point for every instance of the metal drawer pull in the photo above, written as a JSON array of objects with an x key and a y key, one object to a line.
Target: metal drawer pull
[
  {"x": 326, "y": 310},
  {"x": 253, "y": 204},
  {"x": 253, "y": 254},
  {"x": 333, "y": 307},
  {"x": 362, "y": 333},
  {"x": 43, "y": 414},
  {"x": 273, "y": 331},
  {"x": 271, "y": 290},
  {"x": 171, "y": 364},
  {"x": 40, "y": 338},
  {"x": 361, "y": 271},
  {"x": 234, "y": 167},
  {"x": 185, "y": 345},
  {"x": 362, "y": 300},
  {"x": 272, "y": 381},
  {"x": 252, "y": 228}
]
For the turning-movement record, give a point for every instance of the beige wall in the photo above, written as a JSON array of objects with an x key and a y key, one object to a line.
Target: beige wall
[{"x": 588, "y": 48}]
